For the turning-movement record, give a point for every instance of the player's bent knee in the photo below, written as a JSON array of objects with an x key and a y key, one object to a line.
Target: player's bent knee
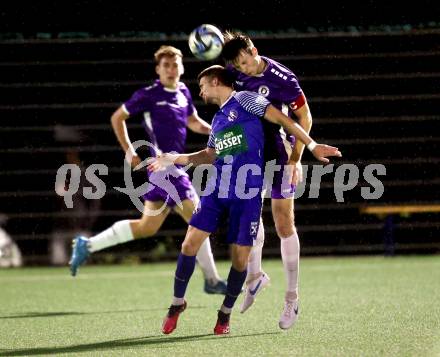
[
  {"x": 285, "y": 231},
  {"x": 189, "y": 248},
  {"x": 240, "y": 265},
  {"x": 240, "y": 262},
  {"x": 284, "y": 225}
]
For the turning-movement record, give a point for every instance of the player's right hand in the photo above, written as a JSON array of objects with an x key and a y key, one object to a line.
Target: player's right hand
[
  {"x": 135, "y": 161},
  {"x": 322, "y": 151},
  {"x": 132, "y": 158},
  {"x": 160, "y": 162}
]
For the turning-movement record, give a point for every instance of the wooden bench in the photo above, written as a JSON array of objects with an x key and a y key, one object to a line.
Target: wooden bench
[{"x": 388, "y": 212}]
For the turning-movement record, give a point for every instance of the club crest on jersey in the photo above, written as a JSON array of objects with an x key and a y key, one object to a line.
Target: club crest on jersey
[
  {"x": 254, "y": 228},
  {"x": 298, "y": 102},
  {"x": 232, "y": 115},
  {"x": 263, "y": 90},
  {"x": 293, "y": 106}
]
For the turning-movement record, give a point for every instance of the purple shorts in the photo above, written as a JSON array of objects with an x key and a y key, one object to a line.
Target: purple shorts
[
  {"x": 281, "y": 187},
  {"x": 168, "y": 188},
  {"x": 243, "y": 215}
]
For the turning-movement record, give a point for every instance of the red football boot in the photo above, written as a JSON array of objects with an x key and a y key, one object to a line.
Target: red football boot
[
  {"x": 170, "y": 321},
  {"x": 222, "y": 325}
]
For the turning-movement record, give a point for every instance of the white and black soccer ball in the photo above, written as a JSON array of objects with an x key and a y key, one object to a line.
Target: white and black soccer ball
[{"x": 206, "y": 42}]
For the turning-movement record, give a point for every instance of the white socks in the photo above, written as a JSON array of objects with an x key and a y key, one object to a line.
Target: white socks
[
  {"x": 254, "y": 262},
  {"x": 206, "y": 261},
  {"x": 118, "y": 233},
  {"x": 225, "y": 310},
  {"x": 290, "y": 256},
  {"x": 177, "y": 301}
]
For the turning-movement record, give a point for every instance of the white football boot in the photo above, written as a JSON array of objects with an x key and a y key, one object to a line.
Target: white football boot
[
  {"x": 252, "y": 290},
  {"x": 289, "y": 315}
]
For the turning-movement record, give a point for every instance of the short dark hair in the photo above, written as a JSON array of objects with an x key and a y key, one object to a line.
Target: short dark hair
[
  {"x": 219, "y": 72},
  {"x": 235, "y": 42}
]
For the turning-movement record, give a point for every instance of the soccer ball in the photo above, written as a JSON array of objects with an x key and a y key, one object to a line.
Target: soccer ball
[{"x": 206, "y": 42}]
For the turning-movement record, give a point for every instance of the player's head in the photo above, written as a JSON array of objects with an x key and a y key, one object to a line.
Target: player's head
[
  {"x": 213, "y": 82},
  {"x": 240, "y": 52},
  {"x": 169, "y": 66}
]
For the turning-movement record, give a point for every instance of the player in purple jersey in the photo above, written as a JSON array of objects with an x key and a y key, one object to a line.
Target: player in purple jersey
[
  {"x": 167, "y": 110},
  {"x": 280, "y": 86},
  {"x": 235, "y": 147}
]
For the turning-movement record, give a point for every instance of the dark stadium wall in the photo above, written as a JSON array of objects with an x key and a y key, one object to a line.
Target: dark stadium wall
[{"x": 181, "y": 16}]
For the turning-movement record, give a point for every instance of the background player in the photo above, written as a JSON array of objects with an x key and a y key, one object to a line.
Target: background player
[{"x": 167, "y": 109}]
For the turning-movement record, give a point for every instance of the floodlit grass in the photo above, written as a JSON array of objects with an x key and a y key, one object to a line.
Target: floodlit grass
[{"x": 361, "y": 306}]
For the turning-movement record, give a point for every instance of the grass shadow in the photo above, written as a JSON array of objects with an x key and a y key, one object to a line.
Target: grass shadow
[
  {"x": 34, "y": 314},
  {"x": 122, "y": 343}
]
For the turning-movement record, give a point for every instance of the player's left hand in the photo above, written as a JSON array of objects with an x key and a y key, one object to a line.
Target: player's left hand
[{"x": 322, "y": 151}]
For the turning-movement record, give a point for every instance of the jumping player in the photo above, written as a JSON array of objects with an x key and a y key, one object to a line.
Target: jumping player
[{"x": 280, "y": 86}]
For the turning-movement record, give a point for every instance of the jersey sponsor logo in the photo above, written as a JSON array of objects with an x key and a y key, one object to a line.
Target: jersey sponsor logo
[
  {"x": 263, "y": 90},
  {"x": 231, "y": 141},
  {"x": 232, "y": 115},
  {"x": 239, "y": 83},
  {"x": 172, "y": 105},
  {"x": 182, "y": 101}
]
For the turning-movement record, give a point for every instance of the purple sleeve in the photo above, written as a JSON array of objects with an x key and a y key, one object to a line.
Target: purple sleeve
[
  {"x": 290, "y": 89},
  {"x": 138, "y": 103}
]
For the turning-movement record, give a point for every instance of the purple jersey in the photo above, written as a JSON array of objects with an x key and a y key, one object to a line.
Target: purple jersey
[
  {"x": 165, "y": 114},
  {"x": 280, "y": 86}
]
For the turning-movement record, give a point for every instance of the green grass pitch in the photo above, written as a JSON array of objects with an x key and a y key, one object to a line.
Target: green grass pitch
[{"x": 357, "y": 306}]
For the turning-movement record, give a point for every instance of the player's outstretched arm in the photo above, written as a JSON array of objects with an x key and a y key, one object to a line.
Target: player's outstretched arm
[
  {"x": 320, "y": 151},
  {"x": 206, "y": 156}
]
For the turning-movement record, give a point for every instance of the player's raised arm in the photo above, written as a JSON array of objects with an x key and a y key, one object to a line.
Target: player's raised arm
[{"x": 320, "y": 151}]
